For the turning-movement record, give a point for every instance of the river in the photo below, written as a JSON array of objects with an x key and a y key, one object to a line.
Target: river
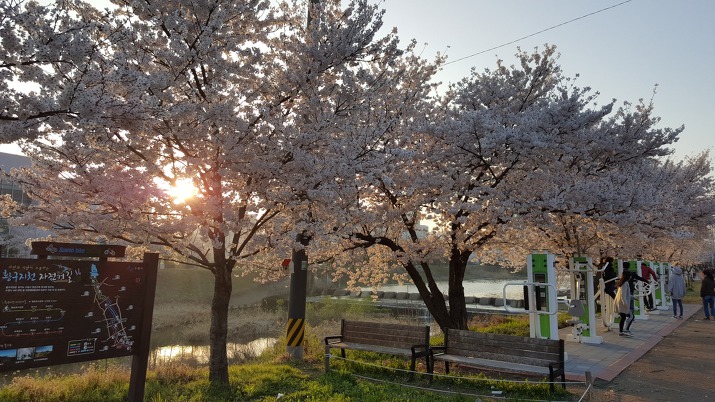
[
  {"x": 477, "y": 288},
  {"x": 199, "y": 354}
]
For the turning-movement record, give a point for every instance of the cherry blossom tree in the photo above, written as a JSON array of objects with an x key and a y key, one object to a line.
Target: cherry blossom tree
[
  {"x": 676, "y": 224},
  {"x": 260, "y": 115},
  {"x": 505, "y": 149},
  {"x": 650, "y": 209}
]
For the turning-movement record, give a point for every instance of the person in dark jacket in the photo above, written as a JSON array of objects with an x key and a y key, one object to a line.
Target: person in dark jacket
[
  {"x": 631, "y": 277},
  {"x": 707, "y": 292},
  {"x": 609, "y": 278},
  {"x": 648, "y": 274}
]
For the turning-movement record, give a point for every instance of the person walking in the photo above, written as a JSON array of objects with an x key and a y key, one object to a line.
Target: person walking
[
  {"x": 676, "y": 288},
  {"x": 630, "y": 277},
  {"x": 650, "y": 278},
  {"x": 622, "y": 303},
  {"x": 707, "y": 292},
  {"x": 610, "y": 277}
]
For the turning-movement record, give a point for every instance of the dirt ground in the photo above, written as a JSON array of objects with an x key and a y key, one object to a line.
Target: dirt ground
[{"x": 680, "y": 368}]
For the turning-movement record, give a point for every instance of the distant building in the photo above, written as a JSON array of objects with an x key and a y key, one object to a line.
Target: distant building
[
  {"x": 7, "y": 163},
  {"x": 11, "y": 246}
]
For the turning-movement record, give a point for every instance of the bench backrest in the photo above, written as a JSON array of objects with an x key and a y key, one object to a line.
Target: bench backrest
[
  {"x": 507, "y": 348},
  {"x": 384, "y": 334}
]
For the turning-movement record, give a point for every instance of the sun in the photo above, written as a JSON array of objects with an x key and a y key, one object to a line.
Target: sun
[{"x": 182, "y": 191}]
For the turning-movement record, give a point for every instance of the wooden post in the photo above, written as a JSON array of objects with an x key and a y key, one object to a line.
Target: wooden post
[{"x": 140, "y": 359}]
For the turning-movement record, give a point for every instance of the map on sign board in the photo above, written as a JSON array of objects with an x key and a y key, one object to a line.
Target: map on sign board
[{"x": 64, "y": 311}]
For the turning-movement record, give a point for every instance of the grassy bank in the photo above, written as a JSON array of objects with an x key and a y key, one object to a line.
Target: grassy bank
[{"x": 254, "y": 382}]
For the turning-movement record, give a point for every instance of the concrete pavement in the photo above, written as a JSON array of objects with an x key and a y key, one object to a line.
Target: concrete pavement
[{"x": 607, "y": 360}]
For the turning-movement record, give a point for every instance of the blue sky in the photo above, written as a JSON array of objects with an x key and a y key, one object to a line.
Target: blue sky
[{"x": 621, "y": 52}]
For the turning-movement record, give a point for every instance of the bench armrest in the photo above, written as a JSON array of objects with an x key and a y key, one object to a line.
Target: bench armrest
[
  {"x": 437, "y": 350},
  {"x": 420, "y": 350},
  {"x": 556, "y": 367},
  {"x": 339, "y": 338}
]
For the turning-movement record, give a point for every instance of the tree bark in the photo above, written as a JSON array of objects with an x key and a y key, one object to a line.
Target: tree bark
[
  {"x": 218, "y": 358},
  {"x": 457, "y": 304}
]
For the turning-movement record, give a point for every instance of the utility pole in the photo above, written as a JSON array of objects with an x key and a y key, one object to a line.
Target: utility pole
[{"x": 299, "y": 276}]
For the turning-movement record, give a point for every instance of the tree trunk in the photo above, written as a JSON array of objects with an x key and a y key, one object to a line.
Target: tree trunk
[
  {"x": 453, "y": 315},
  {"x": 218, "y": 359},
  {"x": 457, "y": 304}
]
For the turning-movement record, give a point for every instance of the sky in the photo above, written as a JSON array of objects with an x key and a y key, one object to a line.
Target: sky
[
  {"x": 620, "y": 48},
  {"x": 622, "y": 52}
]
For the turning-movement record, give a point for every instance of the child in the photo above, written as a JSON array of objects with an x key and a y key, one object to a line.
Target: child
[{"x": 622, "y": 303}]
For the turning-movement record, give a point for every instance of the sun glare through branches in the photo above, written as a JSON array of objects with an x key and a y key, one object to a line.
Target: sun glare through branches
[{"x": 180, "y": 192}]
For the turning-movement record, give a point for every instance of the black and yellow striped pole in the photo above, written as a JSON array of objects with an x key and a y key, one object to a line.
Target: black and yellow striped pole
[
  {"x": 295, "y": 332},
  {"x": 296, "y": 302}
]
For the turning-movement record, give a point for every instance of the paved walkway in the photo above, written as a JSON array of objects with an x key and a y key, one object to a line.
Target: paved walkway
[{"x": 607, "y": 360}]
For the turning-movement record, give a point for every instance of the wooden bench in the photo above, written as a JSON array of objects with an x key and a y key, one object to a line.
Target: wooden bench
[
  {"x": 503, "y": 353},
  {"x": 393, "y": 339}
]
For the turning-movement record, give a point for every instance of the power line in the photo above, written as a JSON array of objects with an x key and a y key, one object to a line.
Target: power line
[{"x": 539, "y": 32}]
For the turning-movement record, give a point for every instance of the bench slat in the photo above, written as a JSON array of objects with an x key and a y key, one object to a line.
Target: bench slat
[
  {"x": 523, "y": 358},
  {"x": 384, "y": 334},
  {"x": 498, "y": 352},
  {"x": 385, "y": 338},
  {"x": 372, "y": 348},
  {"x": 473, "y": 349},
  {"x": 494, "y": 365},
  {"x": 507, "y": 343}
]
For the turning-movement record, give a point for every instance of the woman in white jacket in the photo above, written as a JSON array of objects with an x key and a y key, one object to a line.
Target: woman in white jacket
[
  {"x": 622, "y": 303},
  {"x": 676, "y": 287}
]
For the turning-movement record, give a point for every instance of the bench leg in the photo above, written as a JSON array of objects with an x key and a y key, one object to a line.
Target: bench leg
[
  {"x": 553, "y": 374},
  {"x": 327, "y": 358},
  {"x": 430, "y": 369}
]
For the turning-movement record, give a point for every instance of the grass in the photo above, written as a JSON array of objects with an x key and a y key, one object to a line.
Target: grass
[
  {"x": 263, "y": 381},
  {"x": 91, "y": 385}
]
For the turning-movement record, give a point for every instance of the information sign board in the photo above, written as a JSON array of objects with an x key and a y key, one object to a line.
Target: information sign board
[{"x": 64, "y": 311}]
